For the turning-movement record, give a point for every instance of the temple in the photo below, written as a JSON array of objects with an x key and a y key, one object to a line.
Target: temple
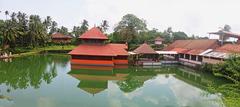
[{"x": 94, "y": 51}]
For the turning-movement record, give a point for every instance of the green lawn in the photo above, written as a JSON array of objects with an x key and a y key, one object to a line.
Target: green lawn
[{"x": 25, "y": 51}]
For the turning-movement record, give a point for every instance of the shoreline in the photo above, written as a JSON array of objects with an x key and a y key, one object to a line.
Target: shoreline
[{"x": 53, "y": 49}]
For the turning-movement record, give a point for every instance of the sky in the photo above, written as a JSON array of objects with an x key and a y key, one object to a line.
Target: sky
[{"x": 191, "y": 16}]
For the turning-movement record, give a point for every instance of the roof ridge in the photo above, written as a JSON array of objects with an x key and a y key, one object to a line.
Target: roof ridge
[{"x": 94, "y": 33}]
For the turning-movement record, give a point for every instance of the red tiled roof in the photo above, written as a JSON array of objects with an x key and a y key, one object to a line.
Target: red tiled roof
[
  {"x": 124, "y": 46},
  {"x": 159, "y": 39},
  {"x": 99, "y": 50},
  {"x": 192, "y": 46},
  {"x": 188, "y": 51},
  {"x": 179, "y": 50},
  {"x": 144, "y": 49},
  {"x": 194, "y": 51},
  {"x": 229, "y": 48},
  {"x": 93, "y": 33},
  {"x": 119, "y": 49},
  {"x": 61, "y": 36}
]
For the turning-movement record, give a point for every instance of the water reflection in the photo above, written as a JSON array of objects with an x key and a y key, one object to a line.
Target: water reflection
[
  {"x": 95, "y": 79},
  {"x": 50, "y": 81},
  {"x": 131, "y": 78},
  {"x": 29, "y": 71},
  {"x": 135, "y": 80},
  {"x": 164, "y": 86}
]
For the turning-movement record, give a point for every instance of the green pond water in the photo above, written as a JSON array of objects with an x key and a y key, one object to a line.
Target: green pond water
[{"x": 50, "y": 81}]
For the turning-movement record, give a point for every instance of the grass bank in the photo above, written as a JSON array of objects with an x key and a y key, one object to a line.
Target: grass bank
[{"x": 32, "y": 51}]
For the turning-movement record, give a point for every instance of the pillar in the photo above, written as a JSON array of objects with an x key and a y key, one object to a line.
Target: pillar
[{"x": 196, "y": 57}]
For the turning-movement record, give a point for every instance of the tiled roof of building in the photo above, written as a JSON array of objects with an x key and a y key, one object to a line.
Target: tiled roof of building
[
  {"x": 224, "y": 51},
  {"x": 194, "y": 51},
  {"x": 119, "y": 49},
  {"x": 93, "y": 33},
  {"x": 179, "y": 50},
  {"x": 144, "y": 49},
  {"x": 229, "y": 48},
  {"x": 60, "y": 36},
  {"x": 100, "y": 50},
  {"x": 192, "y": 46}
]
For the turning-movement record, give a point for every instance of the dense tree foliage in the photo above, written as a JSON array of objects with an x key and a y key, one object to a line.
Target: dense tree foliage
[
  {"x": 53, "y": 27},
  {"x": 134, "y": 31},
  {"x": 229, "y": 70},
  {"x": 78, "y": 30},
  {"x": 37, "y": 31},
  {"x": 63, "y": 30},
  {"x": 128, "y": 28},
  {"x": 21, "y": 30}
]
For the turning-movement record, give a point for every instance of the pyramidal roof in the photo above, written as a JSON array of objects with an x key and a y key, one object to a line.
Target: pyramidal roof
[
  {"x": 94, "y": 33},
  {"x": 93, "y": 87},
  {"x": 144, "y": 49}
]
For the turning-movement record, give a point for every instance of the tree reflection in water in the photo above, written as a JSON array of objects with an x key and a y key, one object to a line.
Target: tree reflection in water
[
  {"x": 135, "y": 80},
  {"x": 29, "y": 71},
  {"x": 128, "y": 79}
]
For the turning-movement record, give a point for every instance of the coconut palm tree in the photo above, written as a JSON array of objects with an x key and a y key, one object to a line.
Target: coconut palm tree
[
  {"x": 6, "y": 13},
  {"x": 37, "y": 31},
  {"x": 22, "y": 27},
  {"x": 53, "y": 27},
  {"x": 47, "y": 22},
  {"x": 9, "y": 34},
  {"x": 104, "y": 26}
]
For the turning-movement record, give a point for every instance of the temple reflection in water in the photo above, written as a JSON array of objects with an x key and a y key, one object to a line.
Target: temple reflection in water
[{"x": 94, "y": 79}]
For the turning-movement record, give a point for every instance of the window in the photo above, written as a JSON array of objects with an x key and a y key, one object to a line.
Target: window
[
  {"x": 193, "y": 57},
  {"x": 200, "y": 58},
  {"x": 181, "y": 55},
  {"x": 187, "y": 56}
]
